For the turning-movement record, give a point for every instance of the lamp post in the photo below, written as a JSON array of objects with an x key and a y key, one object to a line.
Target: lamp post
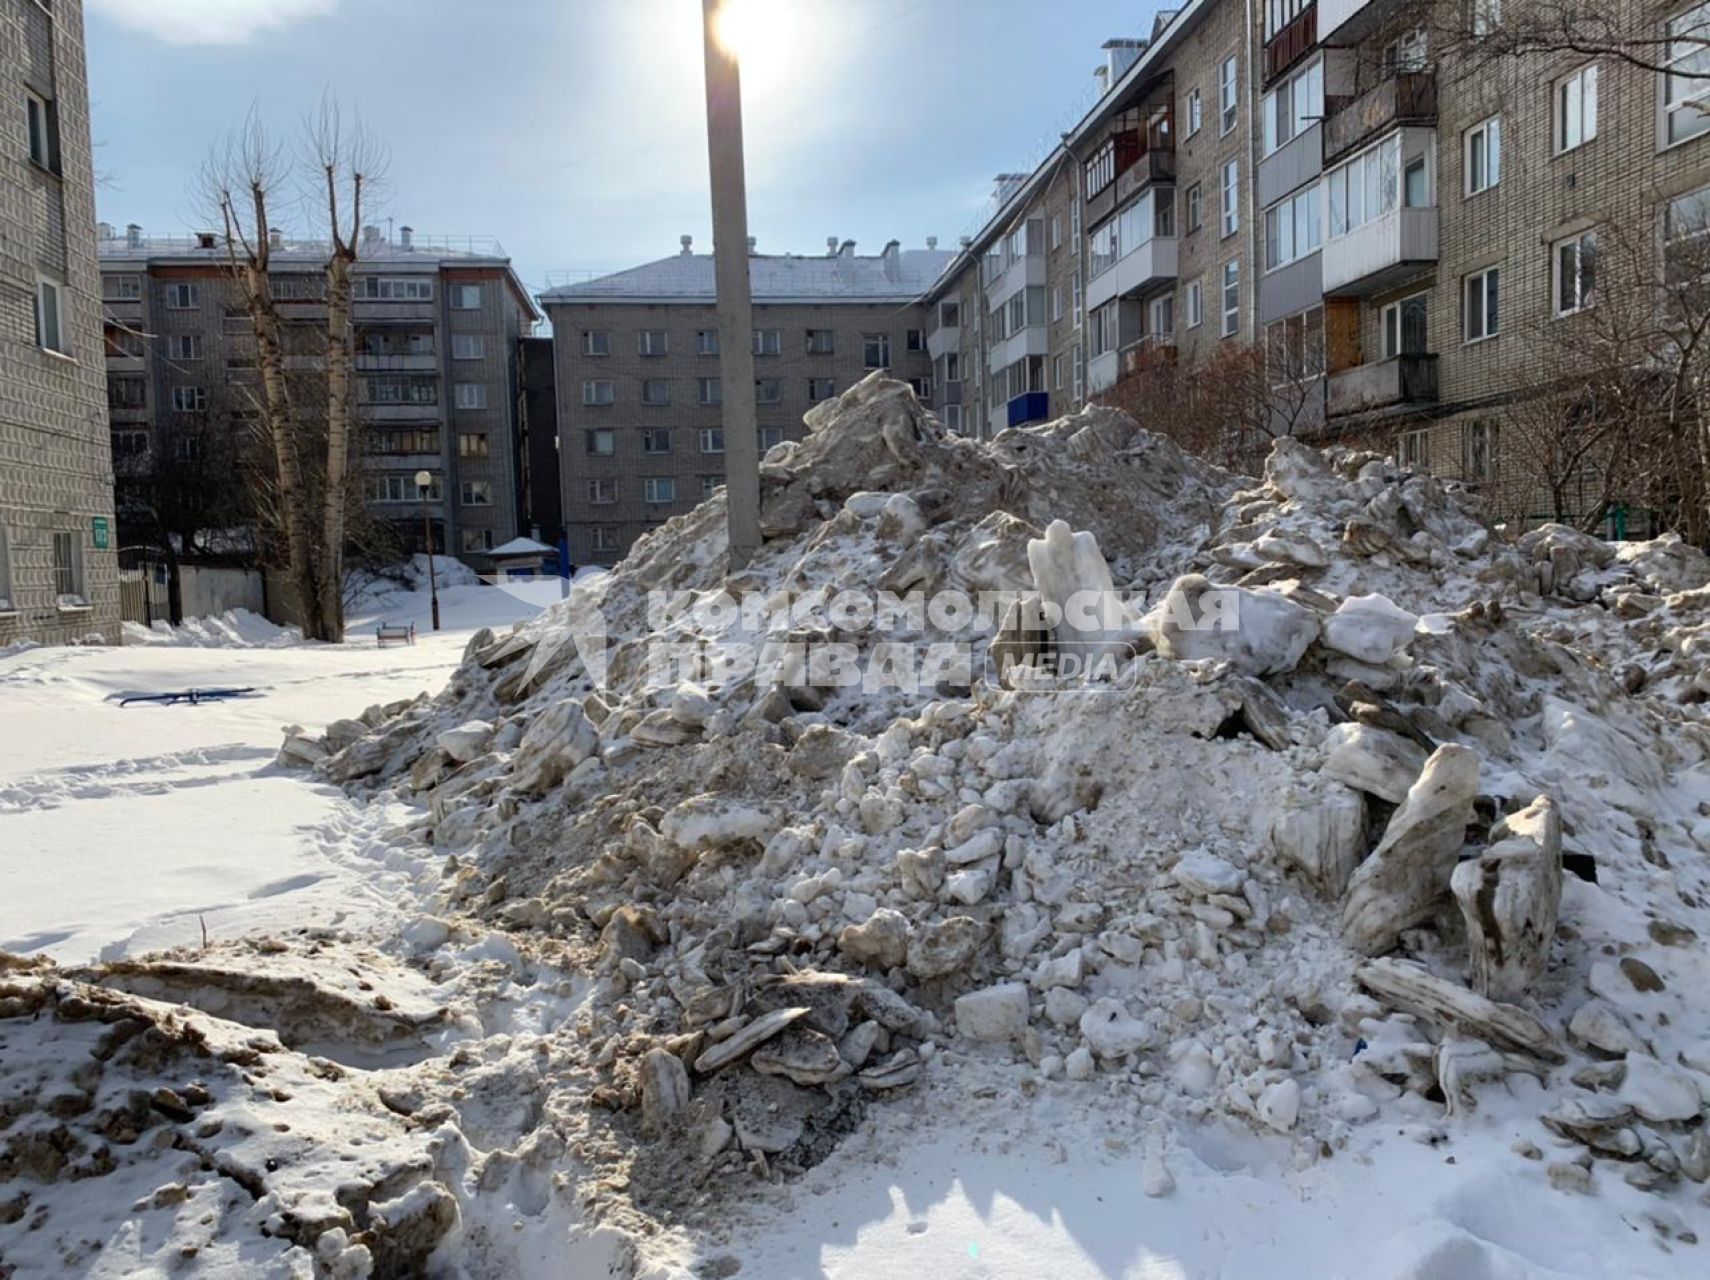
[
  {"x": 424, "y": 481},
  {"x": 731, "y": 289}
]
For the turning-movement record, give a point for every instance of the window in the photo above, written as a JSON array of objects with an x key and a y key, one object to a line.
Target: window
[
  {"x": 1687, "y": 78},
  {"x": 949, "y": 315},
  {"x": 820, "y": 389},
  {"x": 655, "y": 391},
  {"x": 1194, "y": 213},
  {"x": 1416, "y": 184},
  {"x": 601, "y": 442},
  {"x": 183, "y": 297},
  {"x": 710, "y": 485},
  {"x": 1575, "y": 265},
  {"x": 1486, "y": 16},
  {"x": 768, "y": 391},
  {"x": 477, "y": 540},
  {"x": 1576, "y": 109},
  {"x": 1365, "y": 189},
  {"x": 190, "y": 399},
  {"x": 711, "y": 391},
  {"x": 1405, "y": 53},
  {"x": 1403, "y": 325},
  {"x": 397, "y": 390},
  {"x": 467, "y": 346},
  {"x": 1294, "y": 106},
  {"x": 1231, "y": 197},
  {"x": 1412, "y": 448},
  {"x": 126, "y": 444},
  {"x": 1100, "y": 171},
  {"x": 1195, "y": 112},
  {"x": 1293, "y": 228},
  {"x": 652, "y": 342},
  {"x": 127, "y": 393},
  {"x": 659, "y": 489},
  {"x": 50, "y": 316},
  {"x": 121, "y": 288},
  {"x": 68, "y": 570},
  {"x": 475, "y": 493},
  {"x": 605, "y": 538},
  {"x": 952, "y": 367},
  {"x": 768, "y": 342},
  {"x": 1056, "y": 231},
  {"x": 876, "y": 350},
  {"x": 1056, "y": 302},
  {"x": 953, "y": 417},
  {"x": 1294, "y": 348},
  {"x": 1227, "y": 95},
  {"x": 596, "y": 342},
  {"x": 1231, "y": 297},
  {"x": 1059, "y": 365},
  {"x": 393, "y": 442},
  {"x": 1161, "y": 317},
  {"x": 914, "y": 340},
  {"x": 472, "y": 444},
  {"x": 1483, "y": 156},
  {"x": 1478, "y": 449},
  {"x": 465, "y": 297},
  {"x": 1079, "y": 370},
  {"x": 1279, "y": 13},
  {"x": 1686, "y": 233},
  {"x": 473, "y": 395},
  {"x": 656, "y": 440},
  {"x": 185, "y": 346},
  {"x": 822, "y": 342},
  {"x": 6, "y": 605},
  {"x": 1195, "y": 304},
  {"x": 712, "y": 439},
  {"x": 397, "y": 289},
  {"x": 706, "y": 342},
  {"x": 770, "y": 438},
  {"x": 602, "y": 492},
  {"x": 597, "y": 391},
  {"x": 1481, "y": 299},
  {"x": 399, "y": 486},
  {"x": 44, "y": 131},
  {"x": 1075, "y": 228}
]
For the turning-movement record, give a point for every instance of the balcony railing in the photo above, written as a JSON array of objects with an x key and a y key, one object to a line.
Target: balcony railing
[
  {"x": 1402, "y": 98},
  {"x": 1292, "y": 43},
  {"x": 1029, "y": 406},
  {"x": 412, "y": 362},
  {"x": 1400, "y": 380}
]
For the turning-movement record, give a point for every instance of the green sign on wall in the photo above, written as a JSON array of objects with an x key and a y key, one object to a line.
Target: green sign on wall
[{"x": 98, "y": 529}]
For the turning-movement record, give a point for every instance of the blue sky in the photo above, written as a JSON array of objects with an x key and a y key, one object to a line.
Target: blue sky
[{"x": 573, "y": 130}]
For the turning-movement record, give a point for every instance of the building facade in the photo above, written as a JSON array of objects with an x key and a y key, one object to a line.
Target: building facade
[
  {"x": 637, "y": 372},
  {"x": 438, "y": 329},
  {"x": 58, "y": 571}
]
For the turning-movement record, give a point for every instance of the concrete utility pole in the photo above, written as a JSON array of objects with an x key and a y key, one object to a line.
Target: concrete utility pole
[{"x": 735, "y": 303}]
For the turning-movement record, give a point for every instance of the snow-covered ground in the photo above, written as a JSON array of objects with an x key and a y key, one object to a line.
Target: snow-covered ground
[{"x": 169, "y": 819}]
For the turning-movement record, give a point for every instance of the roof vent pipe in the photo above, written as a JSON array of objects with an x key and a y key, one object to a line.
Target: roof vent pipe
[{"x": 688, "y": 243}]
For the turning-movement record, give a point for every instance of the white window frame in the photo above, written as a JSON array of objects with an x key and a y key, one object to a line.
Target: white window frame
[
  {"x": 8, "y": 602},
  {"x": 709, "y": 391},
  {"x": 598, "y": 392},
  {"x": 186, "y": 346},
  {"x": 711, "y": 440},
  {"x": 1231, "y": 312},
  {"x": 1584, "y": 289},
  {"x": 1195, "y": 110},
  {"x": 1230, "y": 185},
  {"x": 1293, "y": 106},
  {"x": 1389, "y": 325},
  {"x": 605, "y": 538},
  {"x": 1413, "y": 449},
  {"x": 465, "y": 297},
  {"x": 1480, "y": 441},
  {"x": 1486, "y": 331},
  {"x": 879, "y": 341},
  {"x": 1195, "y": 303},
  {"x": 656, "y": 442},
  {"x": 1228, "y": 95},
  {"x": 475, "y": 493},
  {"x": 468, "y": 346},
  {"x": 189, "y": 399},
  {"x": 1294, "y": 228},
  {"x": 659, "y": 491},
  {"x": 1483, "y": 139},
  {"x": 826, "y": 344},
  {"x": 188, "y": 291},
  {"x": 469, "y": 395},
  {"x": 1686, "y": 102},
  {"x": 706, "y": 342},
  {"x": 653, "y": 342},
  {"x": 602, "y": 491},
  {"x": 1574, "y": 107},
  {"x": 78, "y": 596},
  {"x": 649, "y": 385},
  {"x": 596, "y": 342},
  {"x": 37, "y": 106},
  {"x": 50, "y": 316},
  {"x": 593, "y": 435}
]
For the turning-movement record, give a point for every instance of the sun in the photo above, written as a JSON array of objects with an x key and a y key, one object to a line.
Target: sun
[{"x": 756, "y": 31}]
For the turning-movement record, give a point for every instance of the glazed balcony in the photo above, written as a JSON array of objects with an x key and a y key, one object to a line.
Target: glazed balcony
[{"x": 1400, "y": 98}]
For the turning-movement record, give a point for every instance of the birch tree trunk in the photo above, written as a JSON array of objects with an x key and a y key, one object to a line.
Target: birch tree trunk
[{"x": 338, "y": 368}]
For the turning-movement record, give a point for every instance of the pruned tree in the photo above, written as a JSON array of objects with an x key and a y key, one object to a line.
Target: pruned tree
[{"x": 1666, "y": 38}]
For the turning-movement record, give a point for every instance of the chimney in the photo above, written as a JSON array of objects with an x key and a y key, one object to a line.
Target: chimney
[
  {"x": 831, "y": 246},
  {"x": 1119, "y": 55},
  {"x": 204, "y": 239},
  {"x": 752, "y": 241},
  {"x": 133, "y": 236},
  {"x": 1101, "y": 74},
  {"x": 891, "y": 257},
  {"x": 370, "y": 237},
  {"x": 1007, "y": 185},
  {"x": 688, "y": 243},
  {"x": 275, "y": 238},
  {"x": 931, "y": 242},
  {"x": 847, "y": 249},
  {"x": 103, "y": 230},
  {"x": 406, "y": 238}
]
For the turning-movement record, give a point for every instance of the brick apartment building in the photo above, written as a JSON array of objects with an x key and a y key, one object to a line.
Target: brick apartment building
[
  {"x": 438, "y": 324},
  {"x": 58, "y": 572},
  {"x": 637, "y": 371},
  {"x": 1401, "y": 227}
]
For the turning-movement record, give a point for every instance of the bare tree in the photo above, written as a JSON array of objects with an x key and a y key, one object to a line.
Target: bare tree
[
  {"x": 347, "y": 164},
  {"x": 1670, "y": 38},
  {"x": 239, "y": 181}
]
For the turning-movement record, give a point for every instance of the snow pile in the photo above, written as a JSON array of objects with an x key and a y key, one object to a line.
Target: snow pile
[
  {"x": 233, "y": 629},
  {"x": 1350, "y": 812}
]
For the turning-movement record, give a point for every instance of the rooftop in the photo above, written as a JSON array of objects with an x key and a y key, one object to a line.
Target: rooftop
[
  {"x": 131, "y": 244},
  {"x": 896, "y": 275}
]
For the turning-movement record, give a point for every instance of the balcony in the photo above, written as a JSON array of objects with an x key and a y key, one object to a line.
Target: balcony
[
  {"x": 1150, "y": 263},
  {"x": 411, "y": 363},
  {"x": 1292, "y": 43},
  {"x": 126, "y": 362},
  {"x": 1344, "y": 22},
  {"x": 1029, "y": 340},
  {"x": 127, "y": 414},
  {"x": 1026, "y": 271},
  {"x": 1137, "y": 157},
  {"x": 1029, "y": 406},
  {"x": 1382, "y": 252},
  {"x": 1402, "y": 98},
  {"x": 1148, "y": 354},
  {"x": 1400, "y": 380},
  {"x": 1102, "y": 372},
  {"x": 425, "y": 414},
  {"x": 1157, "y": 163},
  {"x": 944, "y": 340}
]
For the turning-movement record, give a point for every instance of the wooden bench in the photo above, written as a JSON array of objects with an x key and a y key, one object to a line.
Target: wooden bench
[{"x": 394, "y": 633}]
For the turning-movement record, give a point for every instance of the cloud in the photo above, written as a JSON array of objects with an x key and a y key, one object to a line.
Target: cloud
[{"x": 209, "y": 21}]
